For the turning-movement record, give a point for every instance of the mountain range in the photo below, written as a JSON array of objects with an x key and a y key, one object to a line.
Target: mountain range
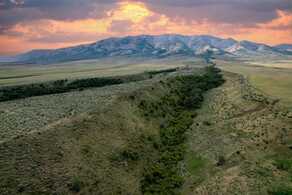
[{"x": 154, "y": 46}]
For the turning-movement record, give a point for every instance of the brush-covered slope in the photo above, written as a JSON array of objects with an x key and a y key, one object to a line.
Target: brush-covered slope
[
  {"x": 151, "y": 137},
  {"x": 113, "y": 148}
]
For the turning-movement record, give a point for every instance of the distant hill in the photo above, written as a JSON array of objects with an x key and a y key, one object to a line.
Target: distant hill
[
  {"x": 285, "y": 48},
  {"x": 154, "y": 46}
]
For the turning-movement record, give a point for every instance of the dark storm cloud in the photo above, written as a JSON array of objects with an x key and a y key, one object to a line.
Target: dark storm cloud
[
  {"x": 15, "y": 11},
  {"x": 244, "y": 12},
  {"x": 69, "y": 9},
  {"x": 260, "y": 5}
]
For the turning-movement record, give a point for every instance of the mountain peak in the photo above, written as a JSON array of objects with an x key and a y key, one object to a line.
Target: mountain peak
[{"x": 153, "y": 46}]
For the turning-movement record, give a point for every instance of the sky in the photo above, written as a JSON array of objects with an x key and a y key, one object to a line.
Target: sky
[{"x": 48, "y": 24}]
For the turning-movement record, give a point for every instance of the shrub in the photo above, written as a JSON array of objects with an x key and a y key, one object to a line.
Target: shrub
[
  {"x": 206, "y": 123},
  {"x": 130, "y": 155},
  {"x": 75, "y": 185},
  {"x": 221, "y": 161},
  {"x": 281, "y": 190},
  {"x": 284, "y": 164}
]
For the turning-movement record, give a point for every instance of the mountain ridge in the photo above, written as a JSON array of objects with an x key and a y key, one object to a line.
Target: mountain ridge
[{"x": 157, "y": 46}]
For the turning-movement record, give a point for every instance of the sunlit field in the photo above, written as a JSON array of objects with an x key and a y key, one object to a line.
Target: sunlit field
[
  {"x": 24, "y": 74},
  {"x": 273, "y": 81}
]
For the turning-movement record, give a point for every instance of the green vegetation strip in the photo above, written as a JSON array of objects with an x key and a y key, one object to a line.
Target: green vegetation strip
[
  {"x": 283, "y": 162},
  {"x": 177, "y": 110},
  {"x": 62, "y": 86}
]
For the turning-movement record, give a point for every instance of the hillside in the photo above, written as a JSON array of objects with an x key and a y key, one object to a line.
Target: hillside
[
  {"x": 153, "y": 47},
  {"x": 119, "y": 140},
  {"x": 244, "y": 139}
]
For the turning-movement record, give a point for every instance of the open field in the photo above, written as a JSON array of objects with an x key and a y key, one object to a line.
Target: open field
[
  {"x": 271, "y": 76},
  {"x": 25, "y": 74},
  {"x": 273, "y": 64},
  {"x": 276, "y": 82}
]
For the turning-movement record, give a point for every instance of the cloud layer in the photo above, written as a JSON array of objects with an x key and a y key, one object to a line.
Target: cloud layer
[{"x": 30, "y": 24}]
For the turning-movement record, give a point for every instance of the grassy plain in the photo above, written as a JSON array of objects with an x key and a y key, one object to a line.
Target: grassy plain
[
  {"x": 273, "y": 80},
  {"x": 24, "y": 74}
]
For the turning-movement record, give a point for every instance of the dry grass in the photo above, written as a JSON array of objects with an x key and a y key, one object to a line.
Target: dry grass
[
  {"x": 276, "y": 82},
  {"x": 24, "y": 74},
  {"x": 38, "y": 113}
]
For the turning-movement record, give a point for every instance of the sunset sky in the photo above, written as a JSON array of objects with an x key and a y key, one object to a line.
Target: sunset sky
[{"x": 34, "y": 24}]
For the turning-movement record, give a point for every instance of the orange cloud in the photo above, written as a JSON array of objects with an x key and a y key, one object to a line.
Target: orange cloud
[
  {"x": 47, "y": 27},
  {"x": 284, "y": 19},
  {"x": 278, "y": 30},
  {"x": 15, "y": 45}
]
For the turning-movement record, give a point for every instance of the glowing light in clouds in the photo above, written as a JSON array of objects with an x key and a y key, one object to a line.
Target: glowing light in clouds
[{"x": 132, "y": 11}]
